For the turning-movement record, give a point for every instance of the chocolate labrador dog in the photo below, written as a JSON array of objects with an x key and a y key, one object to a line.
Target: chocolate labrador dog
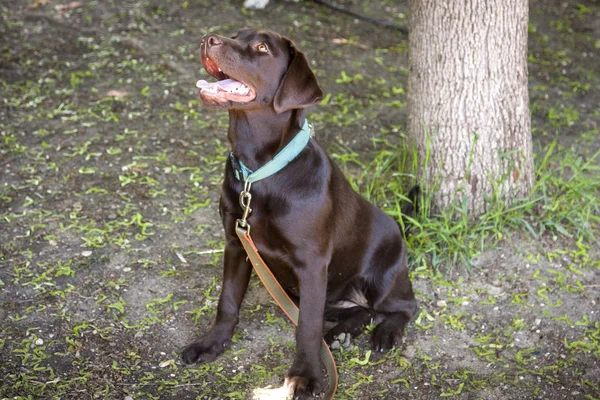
[{"x": 339, "y": 257}]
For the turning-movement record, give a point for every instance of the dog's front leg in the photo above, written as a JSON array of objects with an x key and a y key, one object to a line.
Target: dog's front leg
[
  {"x": 236, "y": 275},
  {"x": 304, "y": 378}
]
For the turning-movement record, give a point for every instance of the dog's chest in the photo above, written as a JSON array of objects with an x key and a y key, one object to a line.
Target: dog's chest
[{"x": 279, "y": 256}]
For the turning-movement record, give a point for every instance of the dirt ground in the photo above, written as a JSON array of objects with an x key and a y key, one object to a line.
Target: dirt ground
[{"x": 110, "y": 256}]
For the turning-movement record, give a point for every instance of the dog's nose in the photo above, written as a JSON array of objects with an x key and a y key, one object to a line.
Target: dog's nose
[{"x": 212, "y": 40}]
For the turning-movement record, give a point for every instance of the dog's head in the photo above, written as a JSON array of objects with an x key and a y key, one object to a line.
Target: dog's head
[{"x": 256, "y": 69}]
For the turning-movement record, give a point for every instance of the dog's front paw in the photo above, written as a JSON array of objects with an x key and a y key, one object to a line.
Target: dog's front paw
[
  {"x": 303, "y": 380},
  {"x": 204, "y": 350},
  {"x": 302, "y": 387}
]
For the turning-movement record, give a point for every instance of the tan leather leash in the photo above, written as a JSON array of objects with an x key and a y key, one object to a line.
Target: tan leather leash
[{"x": 274, "y": 288}]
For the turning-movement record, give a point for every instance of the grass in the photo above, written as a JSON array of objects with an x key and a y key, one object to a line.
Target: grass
[{"x": 565, "y": 203}]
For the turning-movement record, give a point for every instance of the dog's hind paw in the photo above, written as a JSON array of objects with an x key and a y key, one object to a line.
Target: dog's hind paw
[{"x": 386, "y": 334}]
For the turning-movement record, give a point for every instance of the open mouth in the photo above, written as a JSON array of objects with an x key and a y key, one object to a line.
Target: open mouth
[{"x": 226, "y": 88}]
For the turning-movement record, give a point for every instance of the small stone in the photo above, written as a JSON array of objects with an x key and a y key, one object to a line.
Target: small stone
[
  {"x": 86, "y": 253},
  {"x": 127, "y": 269},
  {"x": 346, "y": 343},
  {"x": 138, "y": 334},
  {"x": 165, "y": 363},
  {"x": 341, "y": 337},
  {"x": 39, "y": 342},
  {"x": 256, "y": 4},
  {"x": 335, "y": 345},
  {"x": 112, "y": 216},
  {"x": 128, "y": 398},
  {"x": 441, "y": 303}
]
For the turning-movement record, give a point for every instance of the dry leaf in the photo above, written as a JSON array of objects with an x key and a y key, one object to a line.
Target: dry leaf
[
  {"x": 339, "y": 41},
  {"x": 38, "y": 3},
  {"x": 63, "y": 8},
  {"x": 117, "y": 93},
  {"x": 181, "y": 258},
  {"x": 346, "y": 41}
]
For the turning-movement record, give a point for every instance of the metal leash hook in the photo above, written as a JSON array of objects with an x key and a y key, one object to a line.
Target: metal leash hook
[{"x": 245, "y": 199}]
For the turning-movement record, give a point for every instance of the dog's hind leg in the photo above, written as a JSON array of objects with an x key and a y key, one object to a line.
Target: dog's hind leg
[
  {"x": 349, "y": 320},
  {"x": 397, "y": 306}
]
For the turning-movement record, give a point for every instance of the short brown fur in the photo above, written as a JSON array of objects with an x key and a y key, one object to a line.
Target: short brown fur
[{"x": 328, "y": 247}]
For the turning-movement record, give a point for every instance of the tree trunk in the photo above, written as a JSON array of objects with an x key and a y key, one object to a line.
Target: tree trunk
[{"x": 468, "y": 100}]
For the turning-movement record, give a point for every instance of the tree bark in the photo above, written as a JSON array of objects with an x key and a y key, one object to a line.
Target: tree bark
[{"x": 468, "y": 100}]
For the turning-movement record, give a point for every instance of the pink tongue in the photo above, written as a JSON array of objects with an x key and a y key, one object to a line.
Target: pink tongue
[{"x": 228, "y": 85}]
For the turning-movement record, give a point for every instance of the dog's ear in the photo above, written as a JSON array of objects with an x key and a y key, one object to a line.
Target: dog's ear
[{"x": 298, "y": 87}]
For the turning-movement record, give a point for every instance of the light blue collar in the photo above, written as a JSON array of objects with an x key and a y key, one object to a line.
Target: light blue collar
[{"x": 281, "y": 159}]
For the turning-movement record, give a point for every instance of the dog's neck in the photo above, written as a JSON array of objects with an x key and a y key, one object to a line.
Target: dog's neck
[{"x": 256, "y": 136}]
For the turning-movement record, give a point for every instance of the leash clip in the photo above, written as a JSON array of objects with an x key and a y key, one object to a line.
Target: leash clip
[{"x": 245, "y": 199}]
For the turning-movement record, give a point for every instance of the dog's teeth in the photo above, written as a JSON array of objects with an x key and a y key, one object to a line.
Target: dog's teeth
[{"x": 220, "y": 70}]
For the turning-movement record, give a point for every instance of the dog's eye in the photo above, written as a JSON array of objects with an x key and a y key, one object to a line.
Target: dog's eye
[{"x": 262, "y": 48}]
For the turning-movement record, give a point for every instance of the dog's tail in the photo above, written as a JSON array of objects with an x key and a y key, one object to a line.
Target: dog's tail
[{"x": 410, "y": 208}]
